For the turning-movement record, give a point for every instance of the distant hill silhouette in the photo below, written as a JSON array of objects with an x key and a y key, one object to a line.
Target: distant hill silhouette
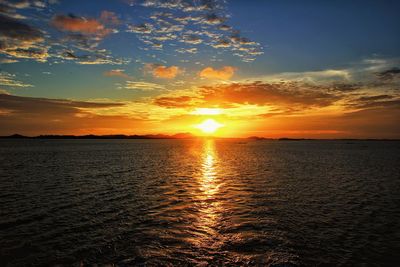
[
  {"x": 174, "y": 136},
  {"x": 113, "y": 136}
]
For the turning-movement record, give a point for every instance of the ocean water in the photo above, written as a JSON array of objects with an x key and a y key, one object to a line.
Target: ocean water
[{"x": 199, "y": 203}]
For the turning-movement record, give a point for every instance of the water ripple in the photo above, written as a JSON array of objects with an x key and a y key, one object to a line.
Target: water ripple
[{"x": 199, "y": 203}]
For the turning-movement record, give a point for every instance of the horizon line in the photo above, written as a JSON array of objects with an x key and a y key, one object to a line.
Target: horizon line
[{"x": 177, "y": 136}]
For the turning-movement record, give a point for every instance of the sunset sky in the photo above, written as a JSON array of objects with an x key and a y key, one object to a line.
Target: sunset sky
[{"x": 273, "y": 68}]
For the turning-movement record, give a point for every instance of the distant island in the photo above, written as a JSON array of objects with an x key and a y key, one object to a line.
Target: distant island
[
  {"x": 111, "y": 136},
  {"x": 177, "y": 136}
]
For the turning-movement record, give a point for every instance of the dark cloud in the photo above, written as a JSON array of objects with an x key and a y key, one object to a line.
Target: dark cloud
[
  {"x": 381, "y": 104},
  {"x": 33, "y": 116},
  {"x": 32, "y": 105},
  {"x": 213, "y": 19},
  {"x": 389, "y": 75},
  {"x": 15, "y": 29},
  {"x": 345, "y": 87},
  {"x": 374, "y": 98},
  {"x": 20, "y": 40}
]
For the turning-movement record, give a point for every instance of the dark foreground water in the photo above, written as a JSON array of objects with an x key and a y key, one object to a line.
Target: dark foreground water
[{"x": 204, "y": 202}]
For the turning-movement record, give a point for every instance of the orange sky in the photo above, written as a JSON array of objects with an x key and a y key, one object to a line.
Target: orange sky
[{"x": 249, "y": 68}]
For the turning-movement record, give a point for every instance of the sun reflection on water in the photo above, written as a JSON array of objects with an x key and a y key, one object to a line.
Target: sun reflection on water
[
  {"x": 209, "y": 199},
  {"x": 208, "y": 183}
]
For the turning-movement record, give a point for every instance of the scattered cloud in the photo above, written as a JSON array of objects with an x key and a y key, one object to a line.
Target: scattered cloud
[
  {"x": 224, "y": 73},
  {"x": 193, "y": 23},
  {"x": 10, "y": 80},
  {"x": 92, "y": 58},
  {"x": 141, "y": 28},
  {"x": 169, "y": 27}
]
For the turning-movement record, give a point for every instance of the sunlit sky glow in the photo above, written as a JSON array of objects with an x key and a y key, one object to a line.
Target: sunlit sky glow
[{"x": 312, "y": 69}]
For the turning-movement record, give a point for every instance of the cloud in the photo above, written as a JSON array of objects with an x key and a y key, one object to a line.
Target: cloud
[
  {"x": 368, "y": 123},
  {"x": 224, "y": 73},
  {"x": 7, "y": 60},
  {"x": 192, "y": 50},
  {"x": 389, "y": 75},
  {"x": 15, "y": 29},
  {"x": 8, "y": 79},
  {"x": 213, "y": 19},
  {"x": 175, "y": 101},
  {"x": 284, "y": 96},
  {"x": 33, "y": 116},
  {"x": 286, "y": 93},
  {"x": 144, "y": 86},
  {"x": 93, "y": 58},
  {"x": 190, "y": 22},
  {"x": 140, "y": 28},
  {"x": 191, "y": 39},
  {"x": 108, "y": 17},
  {"x": 83, "y": 25},
  {"x": 194, "y": 22},
  {"x": 3, "y": 91},
  {"x": 21, "y": 104},
  {"x": 117, "y": 73},
  {"x": 10, "y": 8},
  {"x": 19, "y": 40},
  {"x": 163, "y": 72}
]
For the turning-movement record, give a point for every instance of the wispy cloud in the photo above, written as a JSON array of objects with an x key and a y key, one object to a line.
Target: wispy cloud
[
  {"x": 10, "y": 80},
  {"x": 117, "y": 73},
  {"x": 144, "y": 86}
]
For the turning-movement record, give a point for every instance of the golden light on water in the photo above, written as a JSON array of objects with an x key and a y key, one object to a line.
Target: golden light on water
[
  {"x": 209, "y": 126},
  {"x": 209, "y": 205},
  {"x": 209, "y": 169}
]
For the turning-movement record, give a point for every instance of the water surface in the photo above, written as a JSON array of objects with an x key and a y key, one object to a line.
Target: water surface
[{"x": 199, "y": 202}]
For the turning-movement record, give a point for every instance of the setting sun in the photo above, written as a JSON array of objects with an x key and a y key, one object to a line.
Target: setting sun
[{"x": 209, "y": 126}]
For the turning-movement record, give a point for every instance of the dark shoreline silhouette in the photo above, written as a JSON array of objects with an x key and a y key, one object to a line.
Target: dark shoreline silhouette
[{"x": 179, "y": 136}]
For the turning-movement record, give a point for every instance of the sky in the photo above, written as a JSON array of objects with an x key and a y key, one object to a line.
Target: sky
[{"x": 301, "y": 69}]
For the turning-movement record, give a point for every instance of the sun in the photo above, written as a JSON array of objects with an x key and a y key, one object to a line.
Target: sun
[{"x": 209, "y": 126}]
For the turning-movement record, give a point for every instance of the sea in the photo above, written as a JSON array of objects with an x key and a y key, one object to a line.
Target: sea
[{"x": 199, "y": 202}]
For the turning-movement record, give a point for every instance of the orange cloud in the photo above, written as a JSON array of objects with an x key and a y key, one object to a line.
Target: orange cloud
[
  {"x": 117, "y": 73},
  {"x": 224, "y": 73},
  {"x": 164, "y": 72},
  {"x": 283, "y": 94},
  {"x": 79, "y": 24}
]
